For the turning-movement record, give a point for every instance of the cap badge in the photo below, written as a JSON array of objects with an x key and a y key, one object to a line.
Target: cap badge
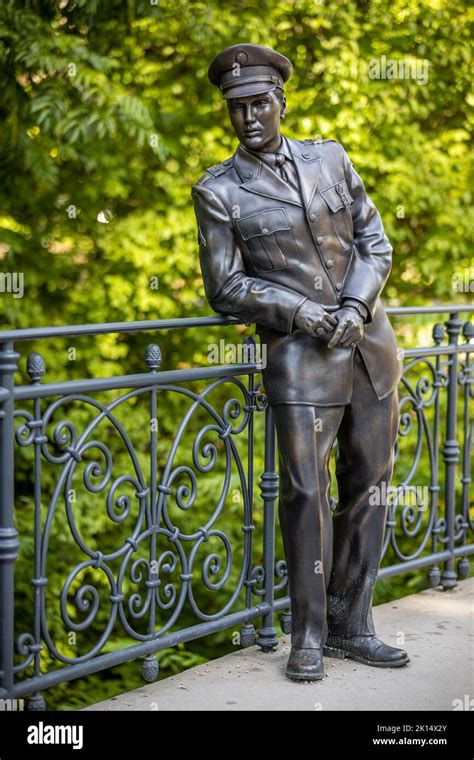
[{"x": 241, "y": 57}]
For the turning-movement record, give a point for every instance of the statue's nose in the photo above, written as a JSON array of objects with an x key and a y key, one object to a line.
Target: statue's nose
[{"x": 249, "y": 117}]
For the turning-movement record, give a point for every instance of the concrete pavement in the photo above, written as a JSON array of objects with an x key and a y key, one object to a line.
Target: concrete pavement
[{"x": 435, "y": 626}]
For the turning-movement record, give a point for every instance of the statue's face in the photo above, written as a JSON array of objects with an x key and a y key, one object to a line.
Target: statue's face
[{"x": 256, "y": 120}]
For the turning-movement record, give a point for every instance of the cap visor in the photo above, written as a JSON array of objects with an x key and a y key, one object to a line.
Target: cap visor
[{"x": 254, "y": 88}]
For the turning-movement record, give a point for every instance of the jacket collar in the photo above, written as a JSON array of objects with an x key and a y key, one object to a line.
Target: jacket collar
[{"x": 258, "y": 178}]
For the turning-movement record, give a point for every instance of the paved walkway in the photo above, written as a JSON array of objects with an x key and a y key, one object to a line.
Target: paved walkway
[{"x": 438, "y": 633}]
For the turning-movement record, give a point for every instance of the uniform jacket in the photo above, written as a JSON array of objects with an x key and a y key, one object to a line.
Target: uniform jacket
[{"x": 264, "y": 248}]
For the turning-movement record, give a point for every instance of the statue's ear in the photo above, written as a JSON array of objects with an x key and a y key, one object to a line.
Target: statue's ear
[{"x": 283, "y": 108}]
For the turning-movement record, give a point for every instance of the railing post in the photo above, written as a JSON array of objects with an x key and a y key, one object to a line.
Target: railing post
[
  {"x": 451, "y": 452},
  {"x": 267, "y": 636},
  {"x": 9, "y": 543},
  {"x": 464, "y": 568}
]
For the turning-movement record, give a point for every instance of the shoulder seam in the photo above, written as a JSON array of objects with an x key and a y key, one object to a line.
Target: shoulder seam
[{"x": 213, "y": 191}]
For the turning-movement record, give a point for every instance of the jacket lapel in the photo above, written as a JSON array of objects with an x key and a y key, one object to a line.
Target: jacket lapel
[
  {"x": 308, "y": 162},
  {"x": 258, "y": 178}
]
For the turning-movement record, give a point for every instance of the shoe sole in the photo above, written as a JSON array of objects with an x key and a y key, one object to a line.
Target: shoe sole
[
  {"x": 300, "y": 677},
  {"x": 341, "y": 654}
]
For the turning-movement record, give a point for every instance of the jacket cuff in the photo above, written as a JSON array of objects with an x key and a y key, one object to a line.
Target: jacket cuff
[
  {"x": 293, "y": 314},
  {"x": 347, "y": 298},
  {"x": 364, "y": 312}
]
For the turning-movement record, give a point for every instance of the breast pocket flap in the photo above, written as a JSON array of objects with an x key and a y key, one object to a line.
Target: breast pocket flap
[
  {"x": 264, "y": 223},
  {"x": 337, "y": 196}
]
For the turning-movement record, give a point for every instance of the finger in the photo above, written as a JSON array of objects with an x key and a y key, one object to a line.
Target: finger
[
  {"x": 328, "y": 326},
  {"x": 329, "y": 318},
  {"x": 349, "y": 338},
  {"x": 338, "y": 333},
  {"x": 313, "y": 326},
  {"x": 323, "y": 329},
  {"x": 348, "y": 342},
  {"x": 323, "y": 322},
  {"x": 350, "y": 334}
]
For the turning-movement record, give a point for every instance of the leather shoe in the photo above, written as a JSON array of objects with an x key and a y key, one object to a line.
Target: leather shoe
[
  {"x": 367, "y": 649},
  {"x": 305, "y": 665}
]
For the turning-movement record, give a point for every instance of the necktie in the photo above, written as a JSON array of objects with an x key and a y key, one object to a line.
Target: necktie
[
  {"x": 280, "y": 166},
  {"x": 286, "y": 170}
]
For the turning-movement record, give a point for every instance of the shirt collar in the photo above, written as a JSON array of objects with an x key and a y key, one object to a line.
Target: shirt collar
[{"x": 285, "y": 148}]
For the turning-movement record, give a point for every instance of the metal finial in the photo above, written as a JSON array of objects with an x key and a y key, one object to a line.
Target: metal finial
[
  {"x": 153, "y": 356},
  {"x": 35, "y": 367}
]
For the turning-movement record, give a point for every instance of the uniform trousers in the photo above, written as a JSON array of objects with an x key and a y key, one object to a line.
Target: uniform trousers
[{"x": 333, "y": 558}]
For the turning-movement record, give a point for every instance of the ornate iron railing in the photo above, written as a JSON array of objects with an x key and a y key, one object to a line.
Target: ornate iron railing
[{"x": 155, "y": 566}]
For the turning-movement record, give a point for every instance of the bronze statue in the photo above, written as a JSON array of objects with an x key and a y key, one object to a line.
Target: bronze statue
[{"x": 290, "y": 241}]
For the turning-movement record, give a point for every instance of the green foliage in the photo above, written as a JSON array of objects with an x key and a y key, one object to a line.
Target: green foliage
[{"x": 107, "y": 119}]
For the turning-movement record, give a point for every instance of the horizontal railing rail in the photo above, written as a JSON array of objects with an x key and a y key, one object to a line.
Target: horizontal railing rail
[
  {"x": 156, "y": 574},
  {"x": 152, "y": 325}
]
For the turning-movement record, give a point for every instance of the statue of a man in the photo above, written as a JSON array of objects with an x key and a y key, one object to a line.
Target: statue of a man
[{"x": 289, "y": 240}]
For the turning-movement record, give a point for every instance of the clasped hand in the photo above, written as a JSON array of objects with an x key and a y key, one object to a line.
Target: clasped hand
[{"x": 346, "y": 323}]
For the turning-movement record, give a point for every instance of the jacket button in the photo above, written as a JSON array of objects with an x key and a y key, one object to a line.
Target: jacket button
[
  {"x": 264, "y": 231},
  {"x": 306, "y": 155},
  {"x": 330, "y": 263},
  {"x": 320, "y": 240},
  {"x": 313, "y": 217},
  {"x": 338, "y": 285},
  {"x": 248, "y": 174}
]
